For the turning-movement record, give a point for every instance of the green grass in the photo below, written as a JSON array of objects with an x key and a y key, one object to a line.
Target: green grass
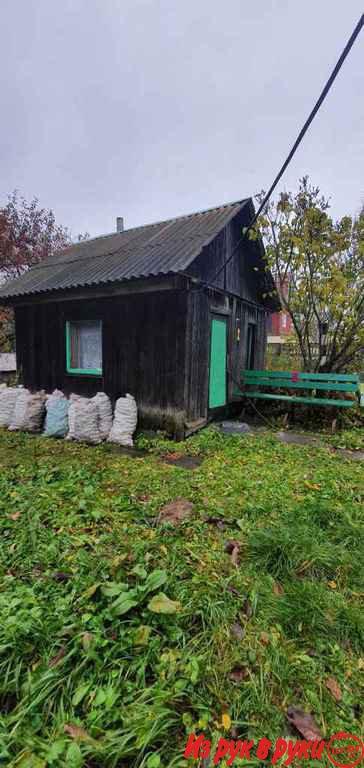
[{"x": 81, "y": 559}]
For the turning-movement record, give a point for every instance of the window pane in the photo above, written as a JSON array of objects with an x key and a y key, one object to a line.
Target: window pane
[{"x": 86, "y": 345}]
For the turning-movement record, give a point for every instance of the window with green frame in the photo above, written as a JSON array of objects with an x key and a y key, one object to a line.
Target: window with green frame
[{"x": 84, "y": 347}]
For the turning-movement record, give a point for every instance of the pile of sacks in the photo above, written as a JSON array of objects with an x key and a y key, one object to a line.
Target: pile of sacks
[{"x": 84, "y": 419}]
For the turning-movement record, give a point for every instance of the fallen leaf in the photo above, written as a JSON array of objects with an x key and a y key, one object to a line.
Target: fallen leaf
[
  {"x": 238, "y": 674},
  {"x": 173, "y": 455},
  {"x": 90, "y": 591},
  {"x": 226, "y": 721},
  {"x": 233, "y": 590},
  {"x": 218, "y": 521},
  {"x": 87, "y": 638},
  {"x": 232, "y": 547},
  {"x": 175, "y": 512},
  {"x": 332, "y": 584},
  {"x": 118, "y": 560},
  {"x": 61, "y": 576},
  {"x": 247, "y": 608},
  {"x": 235, "y": 556},
  {"x": 78, "y": 733},
  {"x": 304, "y": 723},
  {"x": 142, "y": 634},
  {"x": 162, "y": 604},
  {"x": 56, "y": 659},
  {"x": 15, "y": 516},
  {"x": 333, "y": 686},
  {"x": 237, "y": 631},
  {"x": 278, "y": 589},
  {"x": 312, "y": 486}
]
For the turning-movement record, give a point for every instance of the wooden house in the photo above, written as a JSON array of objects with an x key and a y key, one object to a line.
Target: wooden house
[{"x": 142, "y": 311}]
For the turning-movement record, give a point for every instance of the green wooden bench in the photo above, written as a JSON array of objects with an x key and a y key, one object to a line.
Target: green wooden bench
[{"x": 254, "y": 383}]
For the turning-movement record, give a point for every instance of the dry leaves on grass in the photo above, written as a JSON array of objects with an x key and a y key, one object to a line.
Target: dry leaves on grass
[
  {"x": 59, "y": 656},
  {"x": 175, "y": 512},
  {"x": 218, "y": 521},
  {"x": 79, "y": 734},
  {"x": 264, "y": 638},
  {"x": 226, "y": 721},
  {"x": 247, "y": 608},
  {"x": 61, "y": 576},
  {"x": 86, "y": 639},
  {"x": 232, "y": 547},
  {"x": 233, "y": 590},
  {"x": 278, "y": 589},
  {"x": 333, "y": 686},
  {"x": 237, "y": 630},
  {"x": 304, "y": 723},
  {"x": 238, "y": 674}
]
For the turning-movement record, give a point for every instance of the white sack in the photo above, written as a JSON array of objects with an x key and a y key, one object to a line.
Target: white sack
[
  {"x": 83, "y": 420},
  {"x": 104, "y": 412},
  {"x": 8, "y": 398},
  {"x": 29, "y": 412},
  {"x": 86, "y": 422},
  {"x": 72, "y": 414},
  {"x": 125, "y": 421}
]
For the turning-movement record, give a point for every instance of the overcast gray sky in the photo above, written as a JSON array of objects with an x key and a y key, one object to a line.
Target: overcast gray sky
[{"x": 153, "y": 108}]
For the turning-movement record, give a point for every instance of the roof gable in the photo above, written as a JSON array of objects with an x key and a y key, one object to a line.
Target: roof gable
[{"x": 167, "y": 247}]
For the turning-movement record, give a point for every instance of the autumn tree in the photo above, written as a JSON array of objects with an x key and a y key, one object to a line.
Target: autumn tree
[
  {"x": 318, "y": 265},
  {"x": 28, "y": 234}
]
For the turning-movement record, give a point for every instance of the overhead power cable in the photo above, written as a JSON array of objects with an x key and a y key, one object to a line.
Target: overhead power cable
[{"x": 320, "y": 100}]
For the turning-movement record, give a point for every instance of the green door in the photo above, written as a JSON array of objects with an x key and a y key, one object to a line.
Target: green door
[{"x": 217, "y": 382}]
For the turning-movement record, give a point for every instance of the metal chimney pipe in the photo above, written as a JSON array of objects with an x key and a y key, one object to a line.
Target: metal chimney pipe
[{"x": 119, "y": 224}]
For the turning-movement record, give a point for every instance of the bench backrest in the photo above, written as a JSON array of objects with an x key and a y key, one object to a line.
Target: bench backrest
[{"x": 338, "y": 382}]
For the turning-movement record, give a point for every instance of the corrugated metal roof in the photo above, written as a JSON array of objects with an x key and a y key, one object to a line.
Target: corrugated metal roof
[{"x": 167, "y": 247}]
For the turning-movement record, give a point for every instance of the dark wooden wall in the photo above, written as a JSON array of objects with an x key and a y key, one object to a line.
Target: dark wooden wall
[
  {"x": 242, "y": 276},
  {"x": 144, "y": 339},
  {"x": 197, "y": 355}
]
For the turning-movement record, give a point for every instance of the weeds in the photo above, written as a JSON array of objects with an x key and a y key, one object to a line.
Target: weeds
[{"x": 116, "y": 634}]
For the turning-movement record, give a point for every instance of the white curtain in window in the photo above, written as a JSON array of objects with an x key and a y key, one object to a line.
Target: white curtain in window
[{"x": 86, "y": 345}]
